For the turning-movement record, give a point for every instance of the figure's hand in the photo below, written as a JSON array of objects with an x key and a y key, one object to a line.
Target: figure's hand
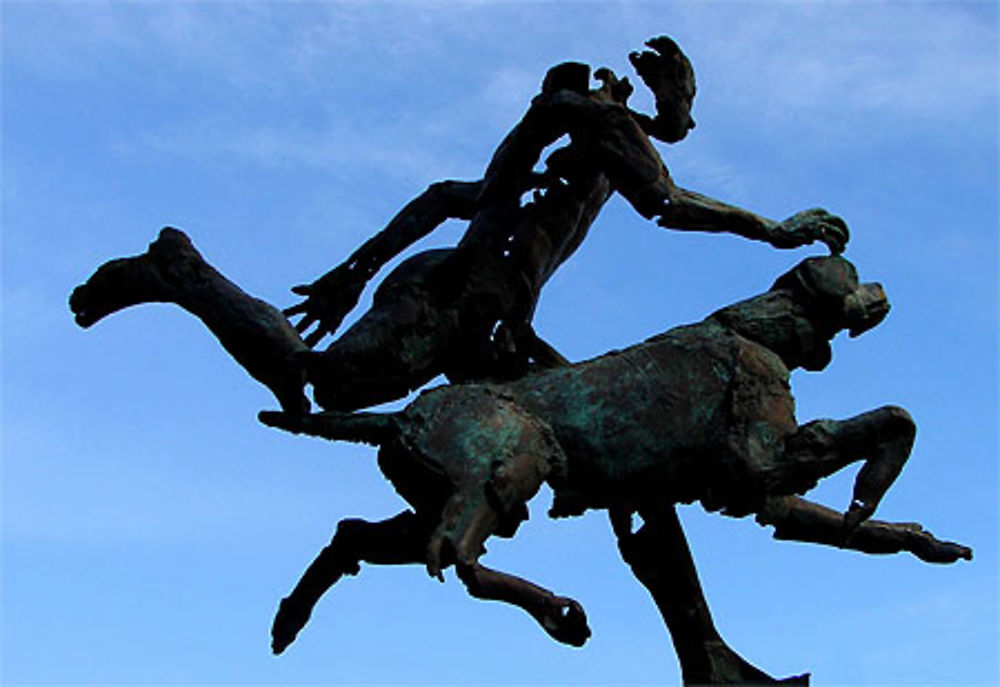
[
  {"x": 328, "y": 300},
  {"x": 808, "y": 226}
]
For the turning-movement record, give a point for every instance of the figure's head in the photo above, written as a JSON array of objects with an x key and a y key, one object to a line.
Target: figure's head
[
  {"x": 667, "y": 72},
  {"x": 836, "y": 300}
]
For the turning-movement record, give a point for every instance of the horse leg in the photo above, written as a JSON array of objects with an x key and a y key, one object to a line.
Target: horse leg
[
  {"x": 882, "y": 438},
  {"x": 399, "y": 540},
  {"x": 799, "y": 519},
  {"x": 659, "y": 557},
  {"x": 480, "y": 510},
  {"x": 561, "y": 617}
]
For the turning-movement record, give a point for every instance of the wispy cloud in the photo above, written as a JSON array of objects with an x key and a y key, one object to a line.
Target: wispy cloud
[{"x": 839, "y": 61}]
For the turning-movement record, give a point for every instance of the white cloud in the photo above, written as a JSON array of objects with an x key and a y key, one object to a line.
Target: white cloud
[{"x": 844, "y": 60}]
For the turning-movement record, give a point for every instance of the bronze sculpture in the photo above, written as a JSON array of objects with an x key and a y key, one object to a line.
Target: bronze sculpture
[
  {"x": 702, "y": 412},
  {"x": 466, "y": 312}
]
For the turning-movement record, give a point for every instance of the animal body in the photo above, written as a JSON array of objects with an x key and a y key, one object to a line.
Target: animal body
[{"x": 701, "y": 412}]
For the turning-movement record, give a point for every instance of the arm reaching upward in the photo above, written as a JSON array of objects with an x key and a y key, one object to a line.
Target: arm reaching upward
[{"x": 332, "y": 296}]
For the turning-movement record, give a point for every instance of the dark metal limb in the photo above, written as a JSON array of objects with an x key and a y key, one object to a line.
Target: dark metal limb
[
  {"x": 563, "y": 618},
  {"x": 659, "y": 556},
  {"x": 332, "y": 296},
  {"x": 798, "y": 519},
  {"x": 882, "y": 438},
  {"x": 399, "y": 540},
  {"x": 172, "y": 271}
]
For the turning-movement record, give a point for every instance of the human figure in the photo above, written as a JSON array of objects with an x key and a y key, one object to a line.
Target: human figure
[{"x": 465, "y": 312}]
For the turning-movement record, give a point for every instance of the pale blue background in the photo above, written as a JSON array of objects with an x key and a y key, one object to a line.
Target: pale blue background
[{"x": 151, "y": 525}]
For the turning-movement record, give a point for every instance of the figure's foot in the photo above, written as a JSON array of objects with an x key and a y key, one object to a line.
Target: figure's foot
[
  {"x": 290, "y": 619},
  {"x": 565, "y": 621},
  {"x": 118, "y": 284}
]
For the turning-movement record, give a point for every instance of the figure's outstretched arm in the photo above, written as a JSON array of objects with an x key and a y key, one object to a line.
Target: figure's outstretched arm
[
  {"x": 799, "y": 519},
  {"x": 617, "y": 144},
  {"x": 332, "y": 296},
  {"x": 690, "y": 211}
]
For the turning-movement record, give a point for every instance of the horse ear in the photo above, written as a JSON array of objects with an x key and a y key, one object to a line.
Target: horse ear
[
  {"x": 828, "y": 278},
  {"x": 831, "y": 276}
]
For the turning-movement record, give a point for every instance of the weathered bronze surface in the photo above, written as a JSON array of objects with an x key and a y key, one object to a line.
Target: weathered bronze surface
[{"x": 701, "y": 412}]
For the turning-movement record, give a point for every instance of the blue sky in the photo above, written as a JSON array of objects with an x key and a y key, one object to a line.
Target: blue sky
[{"x": 151, "y": 525}]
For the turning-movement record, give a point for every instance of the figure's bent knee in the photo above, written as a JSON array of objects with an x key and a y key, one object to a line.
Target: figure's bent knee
[
  {"x": 888, "y": 423},
  {"x": 899, "y": 419},
  {"x": 346, "y": 384},
  {"x": 348, "y": 532}
]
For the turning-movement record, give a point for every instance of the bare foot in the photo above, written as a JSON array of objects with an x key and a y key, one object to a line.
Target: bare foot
[{"x": 120, "y": 283}]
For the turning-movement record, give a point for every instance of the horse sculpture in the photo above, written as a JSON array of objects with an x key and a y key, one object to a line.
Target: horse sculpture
[{"x": 702, "y": 412}]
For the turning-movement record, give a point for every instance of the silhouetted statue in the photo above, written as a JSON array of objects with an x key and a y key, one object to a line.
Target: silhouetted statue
[
  {"x": 702, "y": 413},
  {"x": 466, "y": 312}
]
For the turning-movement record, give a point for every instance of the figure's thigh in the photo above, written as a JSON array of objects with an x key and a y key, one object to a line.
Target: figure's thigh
[{"x": 399, "y": 345}]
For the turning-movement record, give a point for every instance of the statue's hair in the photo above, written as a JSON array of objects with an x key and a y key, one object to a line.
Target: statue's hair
[{"x": 571, "y": 76}]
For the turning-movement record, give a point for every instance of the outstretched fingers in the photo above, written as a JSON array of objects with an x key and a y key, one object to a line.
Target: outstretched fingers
[
  {"x": 833, "y": 231},
  {"x": 309, "y": 317}
]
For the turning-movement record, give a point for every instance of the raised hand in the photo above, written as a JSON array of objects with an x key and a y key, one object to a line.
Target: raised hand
[
  {"x": 811, "y": 225},
  {"x": 328, "y": 300}
]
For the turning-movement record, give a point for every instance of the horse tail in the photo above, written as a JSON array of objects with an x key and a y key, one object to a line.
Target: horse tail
[{"x": 374, "y": 429}]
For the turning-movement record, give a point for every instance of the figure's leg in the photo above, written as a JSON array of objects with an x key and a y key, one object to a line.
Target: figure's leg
[
  {"x": 396, "y": 541},
  {"x": 255, "y": 333},
  {"x": 561, "y": 617},
  {"x": 659, "y": 556},
  {"x": 397, "y": 346},
  {"x": 798, "y": 519},
  {"x": 882, "y": 438}
]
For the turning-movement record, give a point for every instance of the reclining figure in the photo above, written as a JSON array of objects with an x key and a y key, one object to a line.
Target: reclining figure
[{"x": 702, "y": 412}]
